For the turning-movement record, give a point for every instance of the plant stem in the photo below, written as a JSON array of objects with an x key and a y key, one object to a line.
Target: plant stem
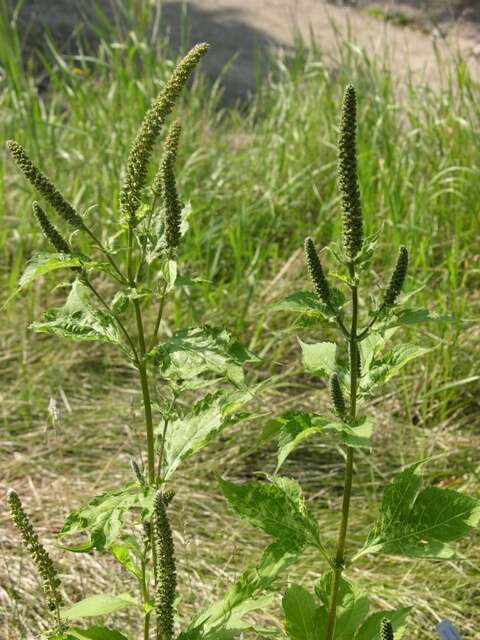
[
  {"x": 159, "y": 315},
  {"x": 121, "y": 326},
  {"x": 147, "y": 404},
  {"x": 106, "y": 254},
  {"x": 339, "y": 563}
]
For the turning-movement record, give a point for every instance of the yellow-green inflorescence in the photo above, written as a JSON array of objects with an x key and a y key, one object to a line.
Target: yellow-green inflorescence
[
  {"x": 397, "y": 279},
  {"x": 316, "y": 271},
  {"x": 140, "y": 154},
  {"x": 44, "y": 185},
  {"x": 165, "y": 571},
  {"x": 336, "y": 396},
  {"x": 347, "y": 176},
  {"x": 386, "y": 630},
  {"x": 164, "y": 186},
  {"x": 49, "y": 230},
  {"x": 43, "y": 562}
]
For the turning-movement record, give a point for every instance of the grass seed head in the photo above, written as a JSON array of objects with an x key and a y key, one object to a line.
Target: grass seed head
[
  {"x": 386, "y": 630},
  {"x": 398, "y": 278},
  {"x": 165, "y": 571},
  {"x": 316, "y": 271},
  {"x": 142, "y": 148},
  {"x": 49, "y": 230},
  {"x": 347, "y": 176},
  {"x": 336, "y": 396},
  {"x": 44, "y": 185},
  {"x": 37, "y": 551}
]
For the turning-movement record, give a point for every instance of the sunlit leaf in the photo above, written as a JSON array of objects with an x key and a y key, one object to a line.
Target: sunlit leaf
[
  {"x": 43, "y": 263},
  {"x": 370, "y": 629},
  {"x": 193, "y": 352},
  {"x": 187, "y": 435},
  {"x": 78, "y": 319},
  {"x": 419, "y": 523},
  {"x": 102, "y": 519},
  {"x": 98, "y": 605},
  {"x": 277, "y": 508},
  {"x": 319, "y": 358}
]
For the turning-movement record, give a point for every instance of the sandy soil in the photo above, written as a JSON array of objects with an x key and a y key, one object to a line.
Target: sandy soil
[{"x": 246, "y": 28}]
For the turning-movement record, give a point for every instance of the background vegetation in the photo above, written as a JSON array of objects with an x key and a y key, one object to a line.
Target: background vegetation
[{"x": 259, "y": 178}]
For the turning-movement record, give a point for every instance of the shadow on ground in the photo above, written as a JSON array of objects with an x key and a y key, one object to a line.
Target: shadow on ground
[{"x": 239, "y": 52}]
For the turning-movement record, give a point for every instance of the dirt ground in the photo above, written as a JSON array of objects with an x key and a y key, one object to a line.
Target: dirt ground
[{"x": 247, "y": 28}]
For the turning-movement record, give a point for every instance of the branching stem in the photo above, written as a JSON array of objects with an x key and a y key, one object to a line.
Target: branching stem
[{"x": 339, "y": 563}]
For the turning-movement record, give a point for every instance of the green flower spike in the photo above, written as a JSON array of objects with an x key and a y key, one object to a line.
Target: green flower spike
[
  {"x": 398, "y": 278},
  {"x": 165, "y": 571},
  {"x": 336, "y": 396},
  {"x": 44, "y": 186},
  {"x": 316, "y": 272},
  {"x": 49, "y": 230},
  {"x": 386, "y": 630},
  {"x": 141, "y": 151},
  {"x": 170, "y": 149},
  {"x": 168, "y": 188},
  {"x": 37, "y": 551},
  {"x": 137, "y": 473},
  {"x": 347, "y": 176}
]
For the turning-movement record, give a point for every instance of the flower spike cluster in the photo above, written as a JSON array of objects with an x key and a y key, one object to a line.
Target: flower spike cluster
[
  {"x": 140, "y": 154},
  {"x": 336, "y": 396},
  {"x": 316, "y": 271},
  {"x": 164, "y": 183},
  {"x": 44, "y": 185},
  {"x": 347, "y": 176},
  {"x": 386, "y": 630},
  {"x": 398, "y": 278},
  {"x": 43, "y": 562},
  {"x": 165, "y": 571},
  {"x": 49, "y": 230}
]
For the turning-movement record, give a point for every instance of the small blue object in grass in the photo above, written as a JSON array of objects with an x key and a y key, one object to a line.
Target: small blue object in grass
[{"x": 447, "y": 631}]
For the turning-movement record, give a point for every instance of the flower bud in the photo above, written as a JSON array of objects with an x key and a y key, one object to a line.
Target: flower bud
[
  {"x": 49, "y": 230},
  {"x": 386, "y": 630},
  {"x": 44, "y": 186},
  {"x": 165, "y": 570},
  {"x": 316, "y": 272},
  {"x": 347, "y": 176},
  {"x": 336, "y": 396},
  {"x": 397, "y": 279},
  {"x": 142, "y": 148}
]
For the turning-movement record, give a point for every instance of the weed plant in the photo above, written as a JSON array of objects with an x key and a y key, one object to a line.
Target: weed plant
[
  {"x": 412, "y": 522},
  {"x": 131, "y": 523},
  {"x": 419, "y": 158}
]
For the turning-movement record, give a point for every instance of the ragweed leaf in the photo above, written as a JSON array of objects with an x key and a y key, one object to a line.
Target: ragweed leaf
[
  {"x": 352, "y": 605},
  {"x": 78, "y": 319},
  {"x": 43, "y": 263},
  {"x": 189, "y": 434},
  {"x": 292, "y": 428},
  {"x": 192, "y": 352},
  {"x": 98, "y": 605},
  {"x": 102, "y": 518},
  {"x": 226, "y": 618},
  {"x": 93, "y": 633},
  {"x": 301, "y": 615},
  {"x": 419, "y": 523},
  {"x": 415, "y": 316},
  {"x": 320, "y": 358},
  {"x": 277, "y": 508},
  {"x": 381, "y": 370}
]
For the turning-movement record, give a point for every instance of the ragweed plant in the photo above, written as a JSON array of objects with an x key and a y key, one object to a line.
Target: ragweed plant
[
  {"x": 413, "y": 522},
  {"x": 114, "y": 292}
]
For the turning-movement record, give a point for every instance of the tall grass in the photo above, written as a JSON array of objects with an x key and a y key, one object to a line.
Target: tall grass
[{"x": 257, "y": 177}]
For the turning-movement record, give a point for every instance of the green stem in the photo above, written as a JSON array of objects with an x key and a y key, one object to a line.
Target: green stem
[
  {"x": 153, "y": 342},
  {"x": 121, "y": 326},
  {"x": 339, "y": 562},
  {"x": 106, "y": 253}
]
